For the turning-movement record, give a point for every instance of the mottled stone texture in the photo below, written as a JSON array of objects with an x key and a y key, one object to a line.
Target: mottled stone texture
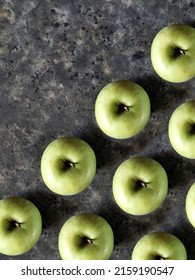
[{"x": 55, "y": 57}]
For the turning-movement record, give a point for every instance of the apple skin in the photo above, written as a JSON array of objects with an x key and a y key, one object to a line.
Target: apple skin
[
  {"x": 86, "y": 236},
  {"x": 181, "y": 129},
  {"x": 190, "y": 205},
  {"x": 20, "y": 225},
  {"x": 140, "y": 185},
  {"x": 173, "y": 53},
  {"x": 122, "y": 109},
  {"x": 68, "y": 165},
  {"x": 159, "y": 246}
]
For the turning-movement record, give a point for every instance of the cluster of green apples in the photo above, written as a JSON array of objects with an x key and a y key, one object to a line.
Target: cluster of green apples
[{"x": 140, "y": 184}]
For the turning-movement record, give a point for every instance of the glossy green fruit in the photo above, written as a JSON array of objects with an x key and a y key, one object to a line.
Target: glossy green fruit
[
  {"x": 181, "y": 129},
  {"x": 68, "y": 165},
  {"x": 159, "y": 246},
  {"x": 122, "y": 109},
  {"x": 86, "y": 236},
  {"x": 173, "y": 53},
  {"x": 20, "y": 225},
  {"x": 140, "y": 185}
]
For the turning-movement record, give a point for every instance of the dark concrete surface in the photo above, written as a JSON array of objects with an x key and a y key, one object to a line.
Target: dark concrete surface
[{"x": 55, "y": 57}]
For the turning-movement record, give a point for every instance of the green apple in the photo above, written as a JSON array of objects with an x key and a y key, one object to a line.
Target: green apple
[
  {"x": 86, "y": 236},
  {"x": 20, "y": 225},
  {"x": 68, "y": 165},
  {"x": 190, "y": 205},
  {"x": 140, "y": 185},
  {"x": 122, "y": 109},
  {"x": 159, "y": 246},
  {"x": 173, "y": 53},
  {"x": 181, "y": 129}
]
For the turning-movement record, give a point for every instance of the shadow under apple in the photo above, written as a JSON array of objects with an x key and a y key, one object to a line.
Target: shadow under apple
[
  {"x": 109, "y": 151},
  {"x": 54, "y": 209},
  {"x": 162, "y": 94},
  {"x": 179, "y": 170},
  {"x": 185, "y": 232}
]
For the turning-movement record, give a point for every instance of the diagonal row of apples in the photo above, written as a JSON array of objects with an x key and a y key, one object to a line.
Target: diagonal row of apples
[{"x": 140, "y": 184}]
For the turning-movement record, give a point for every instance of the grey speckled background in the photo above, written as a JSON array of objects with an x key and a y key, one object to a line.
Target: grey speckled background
[{"x": 55, "y": 57}]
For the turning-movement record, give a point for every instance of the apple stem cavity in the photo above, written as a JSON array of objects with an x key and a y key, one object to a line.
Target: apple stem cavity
[
  {"x": 178, "y": 52},
  {"x": 86, "y": 241},
  {"x": 192, "y": 128},
  {"x": 122, "y": 108},
  {"x": 14, "y": 225},
  {"x": 158, "y": 257},
  {"x": 68, "y": 164},
  {"x": 140, "y": 185}
]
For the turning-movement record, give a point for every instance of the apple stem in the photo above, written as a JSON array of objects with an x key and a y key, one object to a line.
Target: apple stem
[
  {"x": 68, "y": 164},
  {"x": 18, "y": 225},
  {"x": 177, "y": 52},
  {"x": 182, "y": 51},
  {"x": 122, "y": 108},
  {"x": 143, "y": 184},
  {"x": 86, "y": 241},
  {"x": 13, "y": 224},
  {"x": 126, "y": 108},
  {"x": 90, "y": 241},
  {"x": 160, "y": 258},
  {"x": 140, "y": 184}
]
